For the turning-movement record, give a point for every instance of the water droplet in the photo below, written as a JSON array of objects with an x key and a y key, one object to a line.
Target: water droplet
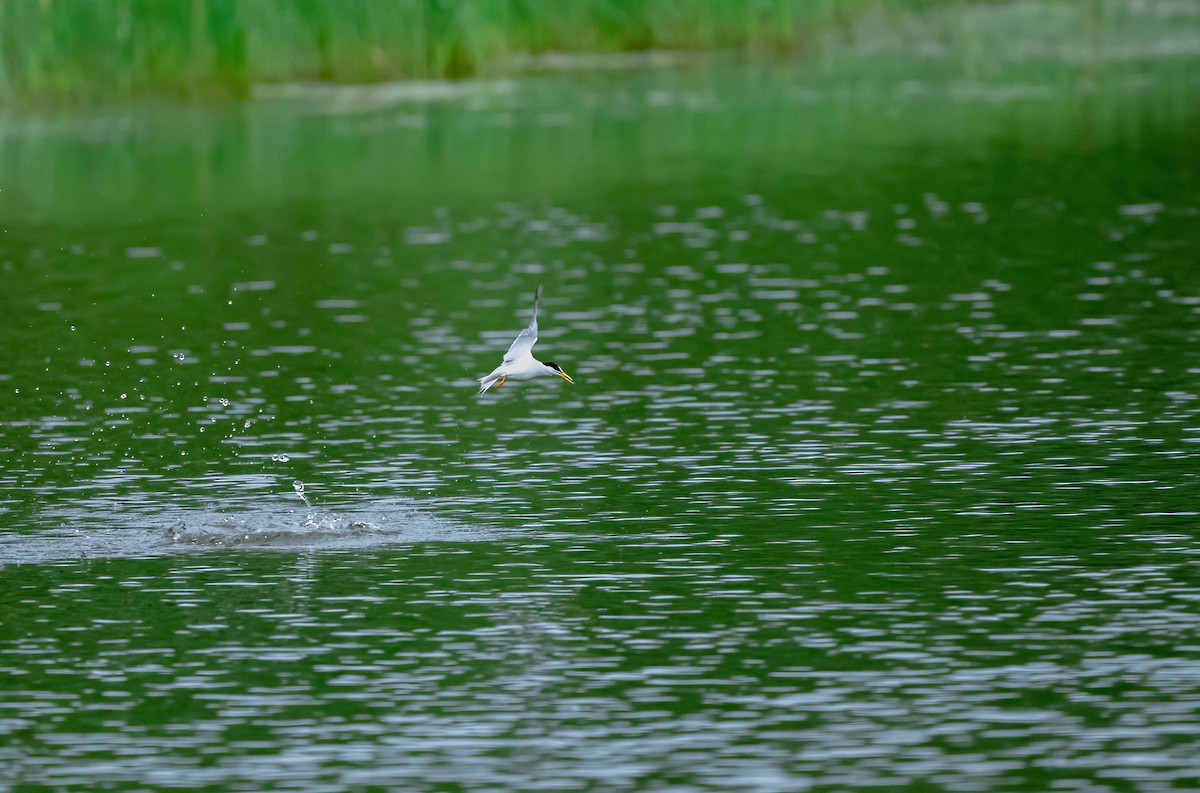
[
  {"x": 224, "y": 402},
  {"x": 124, "y": 395},
  {"x": 283, "y": 458},
  {"x": 298, "y": 486}
]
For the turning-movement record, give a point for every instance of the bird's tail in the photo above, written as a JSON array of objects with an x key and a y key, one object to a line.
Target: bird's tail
[{"x": 488, "y": 381}]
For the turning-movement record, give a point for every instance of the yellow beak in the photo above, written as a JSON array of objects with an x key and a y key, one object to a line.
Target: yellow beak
[{"x": 566, "y": 377}]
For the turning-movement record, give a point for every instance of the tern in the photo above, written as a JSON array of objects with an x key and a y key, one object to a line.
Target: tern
[{"x": 519, "y": 363}]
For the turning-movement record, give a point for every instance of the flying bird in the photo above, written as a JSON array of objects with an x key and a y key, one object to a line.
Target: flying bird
[{"x": 519, "y": 363}]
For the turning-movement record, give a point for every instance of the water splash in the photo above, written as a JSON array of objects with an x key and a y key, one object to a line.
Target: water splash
[
  {"x": 277, "y": 530},
  {"x": 111, "y": 532},
  {"x": 298, "y": 486}
]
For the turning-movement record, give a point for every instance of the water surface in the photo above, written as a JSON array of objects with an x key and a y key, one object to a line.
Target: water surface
[{"x": 879, "y": 471}]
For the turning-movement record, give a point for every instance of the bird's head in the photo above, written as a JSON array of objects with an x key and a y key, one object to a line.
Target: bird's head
[{"x": 554, "y": 368}]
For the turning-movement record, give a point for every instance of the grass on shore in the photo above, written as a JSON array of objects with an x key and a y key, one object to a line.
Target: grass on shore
[{"x": 62, "y": 50}]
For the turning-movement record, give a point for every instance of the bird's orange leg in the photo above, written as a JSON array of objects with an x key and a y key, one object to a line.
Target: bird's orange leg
[{"x": 502, "y": 379}]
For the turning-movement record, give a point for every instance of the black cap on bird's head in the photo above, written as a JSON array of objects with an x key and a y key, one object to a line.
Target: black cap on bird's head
[{"x": 558, "y": 370}]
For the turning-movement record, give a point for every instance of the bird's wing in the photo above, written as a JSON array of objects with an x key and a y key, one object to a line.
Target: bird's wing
[{"x": 525, "y": 340}]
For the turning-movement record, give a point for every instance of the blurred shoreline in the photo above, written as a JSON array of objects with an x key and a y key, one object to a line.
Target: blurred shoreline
[{"x": 105, "y": 51}]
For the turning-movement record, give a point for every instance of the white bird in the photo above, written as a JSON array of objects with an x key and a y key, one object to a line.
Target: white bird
[{"x": 519, "y": 363}]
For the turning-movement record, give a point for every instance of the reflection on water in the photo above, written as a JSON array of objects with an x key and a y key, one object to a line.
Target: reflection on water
[{"x": 878, "y": 470}]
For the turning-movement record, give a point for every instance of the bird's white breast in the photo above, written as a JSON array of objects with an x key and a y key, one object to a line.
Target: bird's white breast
[{"x": 524, "y": 369}]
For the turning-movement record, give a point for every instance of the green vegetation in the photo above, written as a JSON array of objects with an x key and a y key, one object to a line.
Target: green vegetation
[{"x": 56, "y": 50}]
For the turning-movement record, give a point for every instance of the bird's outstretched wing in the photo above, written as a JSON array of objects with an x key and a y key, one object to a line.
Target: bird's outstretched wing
[{"x": 525, "y": 340}]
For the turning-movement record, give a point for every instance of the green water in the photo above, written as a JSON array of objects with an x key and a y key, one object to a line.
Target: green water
[{"x": 879, "y": 472}]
